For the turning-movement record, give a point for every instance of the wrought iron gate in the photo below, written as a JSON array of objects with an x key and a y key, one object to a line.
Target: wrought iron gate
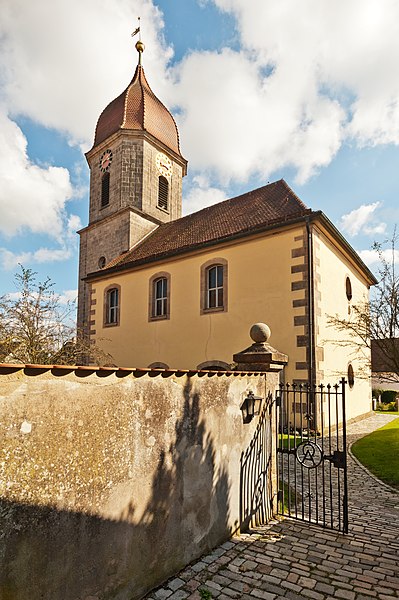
[
  {"x": 311, "y": 454},
  {"x": 256, "y": 498}
]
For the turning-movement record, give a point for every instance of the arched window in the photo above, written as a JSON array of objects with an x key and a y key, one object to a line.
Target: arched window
[
  {"x": 214, "y": 365},
  {"x": 112, "y": 305},
  {"x": 214, "y": 286},
  {"x": 105, "y": 189},
  {"x": 158, "y": 365},
  {"x": 163, "y": 192},
  {"x": 214, "y": 292},
  {"x": 159, "y": 296}
]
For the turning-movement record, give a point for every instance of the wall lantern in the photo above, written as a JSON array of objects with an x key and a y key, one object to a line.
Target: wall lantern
[{"x": 250, "y": 407}]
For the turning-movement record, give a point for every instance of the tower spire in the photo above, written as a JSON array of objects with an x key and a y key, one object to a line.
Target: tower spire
[{"x": 139, "y": 44}]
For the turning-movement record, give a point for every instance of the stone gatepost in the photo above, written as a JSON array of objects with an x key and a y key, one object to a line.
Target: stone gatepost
[{"x": 259, "y": 481}]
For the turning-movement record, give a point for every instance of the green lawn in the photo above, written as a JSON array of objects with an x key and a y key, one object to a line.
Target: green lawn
[
  {"x": 286, "y": 441},
  {"x": 379, "y": 452}
]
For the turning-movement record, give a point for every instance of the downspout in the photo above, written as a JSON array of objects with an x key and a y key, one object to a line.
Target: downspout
[{"x": 310, "y": 307}]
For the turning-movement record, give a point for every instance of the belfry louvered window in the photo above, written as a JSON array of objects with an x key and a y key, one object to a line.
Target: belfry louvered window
[
  {"x": 163, "y": 192},
  {"x": 105, "y": 190}
]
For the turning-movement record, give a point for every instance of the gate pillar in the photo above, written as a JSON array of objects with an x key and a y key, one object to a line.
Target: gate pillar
[
  {"x": 260, "y": 356},
  {"x": 258, "y": 463}
]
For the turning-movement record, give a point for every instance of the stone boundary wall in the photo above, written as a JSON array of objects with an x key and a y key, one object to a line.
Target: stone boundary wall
[{"x": 111, "y": 480}]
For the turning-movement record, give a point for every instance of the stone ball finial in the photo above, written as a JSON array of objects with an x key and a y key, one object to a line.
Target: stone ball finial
[{"x": 260, "y": 332}]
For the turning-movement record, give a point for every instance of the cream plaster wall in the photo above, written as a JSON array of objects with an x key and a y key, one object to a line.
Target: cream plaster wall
[
  {"x": 266, "y": 275},
  {"x": 331, "y": 299},
  {"x": 259, "y": 289}
]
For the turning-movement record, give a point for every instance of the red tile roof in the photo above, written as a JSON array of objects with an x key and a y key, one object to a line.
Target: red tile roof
[
  {"x": 269, "y": 205},
  {"x": 137, "y": 108}
]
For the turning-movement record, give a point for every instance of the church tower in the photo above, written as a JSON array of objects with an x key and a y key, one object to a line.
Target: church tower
[{"x": 136, "y": 171}]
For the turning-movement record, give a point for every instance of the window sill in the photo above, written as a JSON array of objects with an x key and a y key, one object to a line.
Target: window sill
[
  {"x": 219, "y": 309},
  {"x": 164, "y": 210},
  {"x": 160, "y": 318},
  {"x": 111, "y": 324}
]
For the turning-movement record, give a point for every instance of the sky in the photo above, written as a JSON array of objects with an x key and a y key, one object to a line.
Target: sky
[{"x": 260, "y": 90}]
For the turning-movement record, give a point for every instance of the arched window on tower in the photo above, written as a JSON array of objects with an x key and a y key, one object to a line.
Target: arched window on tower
[
  {"x": 163, "y": 192},
  {"x": 105, "y": 190}
]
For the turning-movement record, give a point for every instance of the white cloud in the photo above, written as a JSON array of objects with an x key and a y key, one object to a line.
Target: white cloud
[
  {"x": 236, "y": 122},
  {"x": 68, "y": 296},
  {"x": 308, "y": 75},
  {"x": 359, "y": 220},
  {"x": 64, "y": 60},
  {"x": 372, "y": 257},
  {"x": 201, "y": 195},
  {"x": 10, "y": 260},
  {"x": 31, "y": 197}
]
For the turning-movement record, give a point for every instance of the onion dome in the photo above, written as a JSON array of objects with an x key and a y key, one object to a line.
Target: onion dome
[{"x": 138, "y": 109}]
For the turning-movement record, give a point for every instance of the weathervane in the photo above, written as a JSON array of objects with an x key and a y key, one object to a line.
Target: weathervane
[{"x": 139, "y": 44}]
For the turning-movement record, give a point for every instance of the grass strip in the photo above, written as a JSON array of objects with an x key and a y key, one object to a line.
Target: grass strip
[{"x": 379, "y": 452}]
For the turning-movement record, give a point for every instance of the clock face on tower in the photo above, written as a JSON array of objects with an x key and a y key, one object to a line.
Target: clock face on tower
[
  {"x": 164, "y": 164},
  {"x": 105, "y": 160}
]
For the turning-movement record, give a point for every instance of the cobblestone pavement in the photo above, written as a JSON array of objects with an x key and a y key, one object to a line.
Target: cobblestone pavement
[{"x": 296, "y": 560}]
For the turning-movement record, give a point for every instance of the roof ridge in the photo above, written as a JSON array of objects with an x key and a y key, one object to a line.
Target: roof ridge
[
  {"x": 150, "y": 90},
  {"x": 126, "y": 92}
]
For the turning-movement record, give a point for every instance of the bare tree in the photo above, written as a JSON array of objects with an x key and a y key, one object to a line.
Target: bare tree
[
  {"x": 374, "y": 325},
  {"x": 36, "y": 328}
]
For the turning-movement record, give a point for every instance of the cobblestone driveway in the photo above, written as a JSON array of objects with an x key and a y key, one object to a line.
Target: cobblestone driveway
[{"x": 296, "y": 560}]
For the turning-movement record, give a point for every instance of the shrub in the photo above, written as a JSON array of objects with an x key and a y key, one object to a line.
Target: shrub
[{"x": 388, "y": 396}]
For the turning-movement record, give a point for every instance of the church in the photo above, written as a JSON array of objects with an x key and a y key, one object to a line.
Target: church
[{"x": 158, "y": 290}]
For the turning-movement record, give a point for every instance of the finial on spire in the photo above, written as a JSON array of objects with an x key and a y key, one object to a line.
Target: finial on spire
[{"x": 139, "y": 44}]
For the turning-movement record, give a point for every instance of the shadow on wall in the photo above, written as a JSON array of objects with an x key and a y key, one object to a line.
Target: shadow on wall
[{"x": 51, "y": 554}]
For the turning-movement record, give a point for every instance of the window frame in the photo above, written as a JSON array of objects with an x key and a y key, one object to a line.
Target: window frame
[
  {"x": 205, "y": 289},
  {"x": 107, "y": 308},
  {"x": 350, "y": 376},
  {"x": 152, "y": 297},
  {"x": 348, "y": 288},
  {"x": 163, "y": 188}
]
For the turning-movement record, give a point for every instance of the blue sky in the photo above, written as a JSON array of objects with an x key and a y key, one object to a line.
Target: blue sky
[{"x": 307, "y": 91}]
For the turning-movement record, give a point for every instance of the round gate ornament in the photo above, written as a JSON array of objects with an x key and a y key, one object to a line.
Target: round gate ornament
[{"x": 309, "y": 454}]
